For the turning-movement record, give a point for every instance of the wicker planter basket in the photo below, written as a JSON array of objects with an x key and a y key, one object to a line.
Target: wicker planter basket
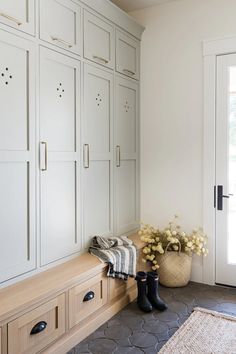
[{"x": 175, "y": 268}]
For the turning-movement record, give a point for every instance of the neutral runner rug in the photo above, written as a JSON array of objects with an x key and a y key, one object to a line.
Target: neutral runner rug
[{"x": 204, "y": 332}]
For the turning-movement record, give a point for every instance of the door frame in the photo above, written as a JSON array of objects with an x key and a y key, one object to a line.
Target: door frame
[{"x": 211, "y": 49}]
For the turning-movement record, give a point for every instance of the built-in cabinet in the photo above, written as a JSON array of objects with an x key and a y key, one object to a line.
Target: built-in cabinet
[
  {"x": 18, "y": 14},
  {"x": 17, "y": 156},
  {"x": 69, "y": 131},
  {"x": 126, "y": 167}
]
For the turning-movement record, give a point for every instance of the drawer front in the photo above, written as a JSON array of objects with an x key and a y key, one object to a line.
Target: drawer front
[
  {"x": 94, "y": 291},
  {"x": 118, "y": 287},
  {"x": 20, "y": 337},
  {"x": 127, "y": 55},
  {"x": 18, "y": 14},
  {"x": 98, "y": 40},
  {"x": 60, "y": 24}
]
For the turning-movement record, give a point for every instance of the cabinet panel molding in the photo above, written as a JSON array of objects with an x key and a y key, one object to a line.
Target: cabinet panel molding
[
  {"x": 87, "y": 298},
  {"x": 127, "y": 55},
  {"x": 33, "y": 331},
  {"x": 59, "y": 156},
  {"x": 18, "y": 14},
  {"x": 17, "y": 156},
  {"x": 60, "y": 24},
  {"x": 99, "y": 43}
]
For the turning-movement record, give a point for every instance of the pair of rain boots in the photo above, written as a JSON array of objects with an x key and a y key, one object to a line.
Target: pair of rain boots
[{"x": 148, "y": 297}]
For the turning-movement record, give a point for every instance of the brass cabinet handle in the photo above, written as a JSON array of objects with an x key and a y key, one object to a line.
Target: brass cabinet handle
[
  {"x": 129, "y": 72},
  {"x": 45, "y": 156},
  {"x": 10, "y": 18},
  {"x": 69, "y": 45},
  {"x": 86, "y": 155},
  {"x": 101, "y": 59},
  {"x": 118, "y": 156}
]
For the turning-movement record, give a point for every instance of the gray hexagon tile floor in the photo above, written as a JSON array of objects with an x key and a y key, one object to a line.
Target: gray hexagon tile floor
[{"x": 134, "y": 332}]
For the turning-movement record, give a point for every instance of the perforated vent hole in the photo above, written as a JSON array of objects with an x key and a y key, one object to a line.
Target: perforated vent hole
[{"x": 6, "y": 75}]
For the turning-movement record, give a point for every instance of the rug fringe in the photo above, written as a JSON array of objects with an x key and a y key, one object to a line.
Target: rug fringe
[{"x": 215, "y": 313}]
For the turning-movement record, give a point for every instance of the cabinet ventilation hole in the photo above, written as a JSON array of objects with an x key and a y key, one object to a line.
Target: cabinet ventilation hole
[
  {"x": 6, "y": 75},
  {"x": 126, "y": 106},
  {"x": 60, "y": 90},
  {"x": 98, "y": 99}
]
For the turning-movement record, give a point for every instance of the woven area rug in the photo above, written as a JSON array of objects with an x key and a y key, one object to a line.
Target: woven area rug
[{"x": 204, "y": 332}]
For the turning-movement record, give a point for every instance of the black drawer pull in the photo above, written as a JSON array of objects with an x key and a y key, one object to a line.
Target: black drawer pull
[
  {"x": 89, "y": 296},
  {"x": 39, "y": 327}
]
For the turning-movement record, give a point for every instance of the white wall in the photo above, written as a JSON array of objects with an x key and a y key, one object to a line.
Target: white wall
[{"x": 172, "y": 106}]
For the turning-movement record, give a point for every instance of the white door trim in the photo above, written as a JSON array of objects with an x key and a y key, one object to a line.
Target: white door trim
[{"x": 211, "y": 49}]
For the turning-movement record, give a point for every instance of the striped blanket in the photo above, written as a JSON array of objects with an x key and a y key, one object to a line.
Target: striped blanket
[{"x": 120, "y": 254}]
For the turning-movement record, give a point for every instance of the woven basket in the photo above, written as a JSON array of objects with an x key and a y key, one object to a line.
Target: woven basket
[{"x": 175, "y": 268}]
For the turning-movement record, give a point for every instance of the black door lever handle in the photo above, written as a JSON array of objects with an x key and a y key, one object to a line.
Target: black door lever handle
[{"x": 220, "y": 197}]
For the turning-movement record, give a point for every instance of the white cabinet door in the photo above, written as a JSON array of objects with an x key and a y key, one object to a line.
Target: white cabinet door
[
  {"x": 97, "y": 126},
  {"x": 127, "y": 156},
  {"x": 98, "y": 40},
  {"x": 18, "y": 14},
  {"x": 60, "y": 24},
  {"x": 17, "y": 156},
  {"x": 127, "y": 55},
  {"x": 59, "y": 155}
]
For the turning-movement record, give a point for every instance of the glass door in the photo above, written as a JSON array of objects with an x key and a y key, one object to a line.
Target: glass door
[{"x": 225, "y": 190}]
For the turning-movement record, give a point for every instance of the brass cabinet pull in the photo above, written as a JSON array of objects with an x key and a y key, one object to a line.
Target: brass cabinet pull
[
  {"x": 69, "y": 45},
  {"x": 129, "y": 72},
  {"x": 101, "y": 59},
  {"x": 86, "y": 155},
  {"x": 45, "y": 156},
  {"x": 10, "y": 18},
  {"x": 118, "y": 156}
]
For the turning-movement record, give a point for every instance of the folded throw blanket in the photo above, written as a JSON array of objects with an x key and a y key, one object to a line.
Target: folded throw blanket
[{"x": 120, "y": 254}]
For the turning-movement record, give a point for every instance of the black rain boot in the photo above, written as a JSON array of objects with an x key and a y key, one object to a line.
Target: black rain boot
[
  {"x": 142, "y": 300},
  {"x": 153, "y": 296}
]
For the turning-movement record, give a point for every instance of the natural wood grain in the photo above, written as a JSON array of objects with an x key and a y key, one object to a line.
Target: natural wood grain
[
  {"x": 20, "y": 296},
  {"x": 19, "y": 338},
  {"x": 80, "y": 310},
  {"x": 78, "y": 333}
]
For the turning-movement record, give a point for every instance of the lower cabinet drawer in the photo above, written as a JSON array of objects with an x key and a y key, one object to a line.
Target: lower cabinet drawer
[
  {"x": 118, "y": 287},
  {"x": 86, "y": 298},
  {"x": 33, "y": 331}
]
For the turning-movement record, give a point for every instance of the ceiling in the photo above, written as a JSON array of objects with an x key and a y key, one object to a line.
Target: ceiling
[{"x": 132, "y": 5}]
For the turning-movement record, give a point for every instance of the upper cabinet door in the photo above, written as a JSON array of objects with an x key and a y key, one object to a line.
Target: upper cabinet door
[
  {"x": 127, "y": 55},
  {"x": 18, "y": 14},
  {"x": 98, "y": 40},
  {"x": 127, "y": 156},
  {"x": 60, "y": 24},
  {"x": 59, "y": 155},
  {"x": 17, "y": 156},
  {"x": 97, "y": 128}
]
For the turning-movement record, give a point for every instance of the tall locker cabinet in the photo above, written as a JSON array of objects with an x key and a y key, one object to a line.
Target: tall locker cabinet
[
  {"x": 126, "y": 156},
  {"x": 97, "y": 128},
  {"x": 59, "y": 156},
  {"x": 17, "y": 156}
]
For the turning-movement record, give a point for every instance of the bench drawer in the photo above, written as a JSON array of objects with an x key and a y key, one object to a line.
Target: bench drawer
[
  {"x": 118, "y": 287},
  {"x": 36, "y": 329},
  {"x": 86, "y": 298}
]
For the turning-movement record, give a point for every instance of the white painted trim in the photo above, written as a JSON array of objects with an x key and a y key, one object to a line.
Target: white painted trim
[{"x": 211, "y": 49}]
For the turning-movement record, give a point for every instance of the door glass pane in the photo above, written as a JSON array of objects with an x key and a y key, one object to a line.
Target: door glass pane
[{"x": 232, "y": 169}]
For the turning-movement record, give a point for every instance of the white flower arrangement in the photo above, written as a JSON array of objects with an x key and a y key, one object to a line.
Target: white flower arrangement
[{"x": 172, "y": 236}]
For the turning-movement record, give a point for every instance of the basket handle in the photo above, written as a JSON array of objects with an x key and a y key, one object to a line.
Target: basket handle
[{"x": 171, "y": 243}]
